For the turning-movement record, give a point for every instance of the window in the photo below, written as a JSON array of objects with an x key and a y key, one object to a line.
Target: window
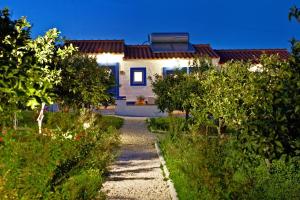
[
  {"x": 138, "y": 76},
  {"x": 171, "y": 70}
]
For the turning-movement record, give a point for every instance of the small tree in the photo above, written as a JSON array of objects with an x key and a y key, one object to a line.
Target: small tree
[
  {"x": 84, "y": 82},
  {"x": 175, "y": 91},
  {"x": 28, "y": 68}
]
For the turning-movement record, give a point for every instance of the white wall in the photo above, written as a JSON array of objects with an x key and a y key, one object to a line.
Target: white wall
[{"x": 153, "y": 66}]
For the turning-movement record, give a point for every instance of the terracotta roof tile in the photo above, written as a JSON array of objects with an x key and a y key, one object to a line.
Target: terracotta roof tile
[
  {"x": 145, "y": 52},
  {"x": 98, "y": 46},
  {"x": 249, "y": 54}
]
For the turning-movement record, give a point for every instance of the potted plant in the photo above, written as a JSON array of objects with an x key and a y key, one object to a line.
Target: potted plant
[{"x": 140, "y": 100}]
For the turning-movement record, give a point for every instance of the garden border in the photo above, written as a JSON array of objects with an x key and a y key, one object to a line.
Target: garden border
[{"x": 172, "y": 189}]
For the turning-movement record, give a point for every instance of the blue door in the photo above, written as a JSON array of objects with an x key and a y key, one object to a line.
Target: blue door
[{"x": 115, "y": 71}]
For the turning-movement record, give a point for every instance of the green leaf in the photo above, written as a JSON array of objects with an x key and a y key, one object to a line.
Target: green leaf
[{"x": 32, "y": 103}]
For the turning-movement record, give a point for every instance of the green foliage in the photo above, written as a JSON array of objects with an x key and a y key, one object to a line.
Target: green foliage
[
  {"x": 158, "y": 124},
  {"x": 82, "y": 186},
  {"x": 57, "y": 166},
  {"x": 261, "y": 107},
  {"x": 257, "y": 114},
  {"x": 166, "y": 89},
  {"x": 166, "y": 123},
  {"x": 84, "y": 82},
  {"x": 174, "y": 91},
  {"x": 28, "y": 68},
  {"x": 294, "y": 13},
  {"x": 205, "y": 167},
  {"x": 106, "y": 121},
  {"x": 62, "y": 121}
]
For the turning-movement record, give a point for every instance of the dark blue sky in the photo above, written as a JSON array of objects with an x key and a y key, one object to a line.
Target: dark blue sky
[{"x": 222, "y": 23}]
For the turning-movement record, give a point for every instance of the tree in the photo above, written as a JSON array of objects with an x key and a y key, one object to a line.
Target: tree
[
  {"x": 294, "y": 13},
  {"x": 84, "y": 82},
  {"x": 262, "y": 108},
  {"x": 174, "y": 91},
  {"x": 28, "y": 68}
]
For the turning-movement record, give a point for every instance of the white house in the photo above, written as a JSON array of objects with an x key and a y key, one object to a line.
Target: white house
[{"x": 132, "y": 65}]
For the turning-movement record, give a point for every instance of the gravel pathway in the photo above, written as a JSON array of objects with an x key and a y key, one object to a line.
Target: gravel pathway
[{"x": 136, "y": 174}]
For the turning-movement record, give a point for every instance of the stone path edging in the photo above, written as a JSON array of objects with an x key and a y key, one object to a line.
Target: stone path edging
[{"x": 166, "y": 172}]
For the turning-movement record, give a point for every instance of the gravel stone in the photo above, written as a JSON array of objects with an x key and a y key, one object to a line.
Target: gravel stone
[{"x": 137, "y": 173}]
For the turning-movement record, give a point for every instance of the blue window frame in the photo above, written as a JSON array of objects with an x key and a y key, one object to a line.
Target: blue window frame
[
  {"x": 138, "y": 76},
  {"x": 170, "y": 70}
]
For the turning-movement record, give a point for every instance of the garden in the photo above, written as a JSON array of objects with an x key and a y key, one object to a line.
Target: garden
[
  {"x": 241, "y": 135},
  {"x": 51, "y": 155}
]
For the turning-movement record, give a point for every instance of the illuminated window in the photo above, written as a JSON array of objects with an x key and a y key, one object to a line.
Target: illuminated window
[{"x": 138, "y": 76}]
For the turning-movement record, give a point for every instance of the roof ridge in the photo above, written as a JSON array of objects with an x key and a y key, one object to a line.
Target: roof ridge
[
  {"x": 116, "y": 40},
  {"x": 201, "y": 44},
  {"x": 139, "y": 45},
  {"x": 253, "y": 49}
]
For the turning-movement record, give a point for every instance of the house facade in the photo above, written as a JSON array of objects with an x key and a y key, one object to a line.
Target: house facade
[{"x": 133, "y": 65}]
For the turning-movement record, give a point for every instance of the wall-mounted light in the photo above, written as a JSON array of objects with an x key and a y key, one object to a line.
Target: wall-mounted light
[{"x": 106, "y": 58}]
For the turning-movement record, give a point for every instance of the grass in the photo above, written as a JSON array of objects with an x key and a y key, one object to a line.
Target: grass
[
  {"x": 27, "y": 119},
  {"x": 113, "y": 121},
  {"x": 164, "y": 124}
]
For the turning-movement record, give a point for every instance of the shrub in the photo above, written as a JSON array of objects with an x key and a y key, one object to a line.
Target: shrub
[
  {"x": 166, "y": 123},
  {"x": 204, "y": 167},
  {"x": 34, "y": 166},
  {"x": 159, "y": 124},
  {"x": 85, "y": 185},
  {"x": 60, "y": 120}
]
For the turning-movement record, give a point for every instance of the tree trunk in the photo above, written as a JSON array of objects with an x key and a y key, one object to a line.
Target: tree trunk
[
  {"x": 187, "y": 112},
  {"x": 15, "y": 121},
  {"x": 40, "y": 118},
  {"x": 221, "y": 127}
]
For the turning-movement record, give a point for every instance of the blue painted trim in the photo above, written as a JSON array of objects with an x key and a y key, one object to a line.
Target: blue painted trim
[
  {"x": 167, "y": 70},
  {"x": 138, "y": 69},
  {"x": 116, "y": 88},
  {"x": 130, "y": 103},
  {"x": 117, "y": 77},
  {"x": 121, "y": 98}
]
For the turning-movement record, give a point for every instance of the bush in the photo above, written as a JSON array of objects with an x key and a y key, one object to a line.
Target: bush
[
  {"x": 165, "y": 123},
  {"x": 158, "y": 124},
  {"x": 61, "y": 120},
  {"x": 82, "y": 186},
  {"x": 205, "y": 167},
  {"x": 57, "y": 166}
]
